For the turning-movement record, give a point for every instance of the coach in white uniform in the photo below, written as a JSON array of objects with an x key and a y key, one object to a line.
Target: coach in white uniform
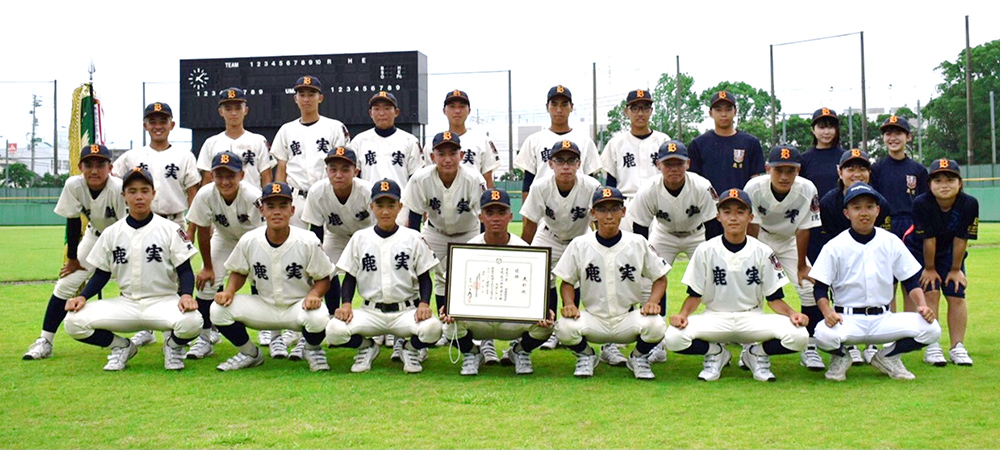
[
  {"x": 251, "y": 147},
  {"x": 149, "y": 257},
  {"x": 477, "y": 147}
]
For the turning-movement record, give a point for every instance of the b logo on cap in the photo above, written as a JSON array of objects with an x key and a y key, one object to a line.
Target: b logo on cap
[
  {"x": 456, "y": 93},
  {"x": 855, "y": 153},
  {"x": 275, "y": 188},
  {"x": 224, "y": 158},
  {"x": 785, "y": 153},
  {"x": 893, "y": 119},
  {"x": 734, "y": 193},
  {"x": 606, "y": 193},
  {"x": 943, "y": 164},
  {"x": 446, "y": 136},
  {"x": 722, "y": 95},
  {"x": 495, "y": 195},
  {"x": 671, "y": 147},
  {"x": 137, "y": 169},
  {"x": 825, "y": 112},
  {"x": 157, "y": 107},
  {"x": 384, "y": 186},
  {"x": 640, "y": 93},
  {"x": 560, "y": 89},
  {"x": 230, "y": 94},
  {"x": 383, "y": 94},
  {"x": 94, "y": 148},
  {"x": 339, "y": 151},
  {"x": 566, "y": 145},
  {"x": 307, "y": 80}
]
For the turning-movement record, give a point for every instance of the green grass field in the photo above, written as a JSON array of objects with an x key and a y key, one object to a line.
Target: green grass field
[{"x": 69, "y": 402}]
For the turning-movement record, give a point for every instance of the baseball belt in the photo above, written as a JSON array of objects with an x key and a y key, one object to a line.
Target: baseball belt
[
  {"x": 391, "y": 307},
  {"x": 863, "y": 311},
  {"x": 681, "y": 234}
]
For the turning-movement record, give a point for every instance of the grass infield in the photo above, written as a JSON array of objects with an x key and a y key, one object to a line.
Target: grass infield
[{"x": 69, "y": 402}]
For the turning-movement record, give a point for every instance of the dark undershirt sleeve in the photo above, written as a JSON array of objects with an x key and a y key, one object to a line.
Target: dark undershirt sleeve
[
  {"x": 425, "y": 287},
  {"x": 912, "y": 283},
  {"x": 640, "y": 230},
  {"x": 777, "y": 295},
  {"x": 318, "y": 231},
  {"x": 693, "y": 292},
  {"x": 414, "y": 221},
  {"x": 611, "y": 181},
  {"x": 347, "y": 288},
  {"x": 73, "y": 227},
  {"x": 185, "y": 277},
  {"x": 528, "y": 179},
  {"x": 821, "y": 290},
  {"x": 96, "y": 283}
]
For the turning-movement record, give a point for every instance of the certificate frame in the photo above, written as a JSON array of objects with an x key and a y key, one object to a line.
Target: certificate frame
[{"x": 498, "y": 283}]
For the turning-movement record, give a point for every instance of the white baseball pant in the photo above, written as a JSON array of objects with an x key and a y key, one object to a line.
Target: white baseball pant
[
  {"x": 259, "y": 314},
  {"x": 120, "y": 314},
  {"x": 438, "y": 242},
  {"x": 70, "y": 286},
  {"x": 740, "y": 327},
  {"x": 881, "y": 329},
  {"x": 221, "y": 249},
  {"x": 788, "y": 254},
  {"x": 499, "y": 330},
  {"x": 623, "y": 329},
  {"x": 369, "y": 322}
]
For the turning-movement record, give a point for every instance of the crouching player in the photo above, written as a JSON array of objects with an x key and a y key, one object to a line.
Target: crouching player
[
  {"x": 391, "y": 267},
  {"x": 609, "y": 264},
  {"x": 730, "y": 274},
  {"x": 291, "y": 273},
  {"x": 860, "y": 264}
]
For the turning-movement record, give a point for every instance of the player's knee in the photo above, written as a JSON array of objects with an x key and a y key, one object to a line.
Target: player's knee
[
  {"x": 539, "y": 332},
  {"x": 796, "y": 339},
  {"x": 189, "y": 325},
  {"x": 337, "y": 332},
  {"x": 75, "y": 327},
  {"x": 315, "y": 321},
  {"x": 568, "y": 331},
  {"x": 220, "y": 315},
  {"x": 929, "y": 332},
  {"x": 654, "y": 328},
  {"x": 675, "y": 340},
  {"x": 826, "y": 338},
  {"x": 429, "y": 330}
]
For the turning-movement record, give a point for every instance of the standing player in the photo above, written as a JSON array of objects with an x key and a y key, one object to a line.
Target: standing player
[
  {"x": 150, "y": 258},
  {"x": 93, "y": 194},
  {"x": 386, "y": 151},
  {"x": 228, "y": 206},
  {"x": 390, "y": 265},
  {"x": 819, "y": 163},
  {"x": 251, "y": 147},
  {"x": 944, "y": 220},
  {"x": 479, "y": 151},
  {"x": 787, "y": 209},
  {"x": 608, "y": 265},
  {"x": 630, "y": 157},
  {"x": 743, "y": 271},
  {"x": 859, "y": 264},
  {"x": 727, "y": 157},
  {"x": 536, "y": 151},
  {"x": 291, "y": 273}
]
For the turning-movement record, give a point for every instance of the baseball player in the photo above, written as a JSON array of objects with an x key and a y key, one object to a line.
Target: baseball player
[
  {"x": 93, "y": 194},
  {"x": 608, "y": 265},
  {"x": 859, "y": 264},
  {"x": 536, "y": 151},
  {"x": 944, "y": 220},
  {"x": 477, "y": 147},
  {"x": 386, "y": 151},
  {"x": 712, "y": 151},
  {"x": 174, "y": 170},
  {"x": 730, "y": 274},
  {"x": 495, "y": 216},
  {"x": 150, "y": 258},
  {"x": 251, "y": 147},
  {"x": 390, "y": 266},
  {"x": 291, "y": 273},
  {"x": 302, "y": 144},
  {"x": 223, "y": 211},
  {"x": 787, "y": 209}
]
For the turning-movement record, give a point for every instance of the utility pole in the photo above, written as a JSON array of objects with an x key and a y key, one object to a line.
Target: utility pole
[
  {"x": 920, "y": 133},
  {"x": 968, "y": 93},
  {"x": 35, "y": 103},
  {"x": 55, "y": 127}
]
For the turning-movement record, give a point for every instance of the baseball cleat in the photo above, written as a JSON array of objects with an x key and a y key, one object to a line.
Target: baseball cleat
[
  {"x": 411, "y": 360},
  {"x": 142, "y": 338},
  {"x": 585, "y": 365},
  {"x": 363, "y": 360},
  {"x": 959, "y": 355},
  {"x": 506, "y": 358},
  {"x": 713, "y": 364},
  {"x": 214, "y": 336},
  {"x": 120, "y": 355},
  {"x": 379, "y": 340},
  {"x": 522, "y": 361},
  {"x": 290, "y": 337},
  {"x": 241, "y": 361},
  {"x": 869, "y": 353},
  {"x": 612, "y": 355},
  {"x": 397, "y": 350},
  {"x": 551, "y": 344},
  {"x": 471, "y": 363},
  {"x": 422, "y": 354},
  {"x": 200, "y": 349},
  {"x": 759, "y": 365},
  {"x": 264, "y": 337},
  {"x": 856, "y": 358},
  {"x": 297, "y": 353},
  {"x": 173, "y": 357},
  {"x": 40, "y": 349},
  {"x": 390, "y": 340},
  {"x": 317, "y": 359},
  {"x": 640, "y": 366},
  {"x": 489, "y": 351},
  {"x": 934, "y": 356},
  {"x": 739, "y": 362},
  {"x": 891, "y": 365},
  {"x": 812, "y": 360},
  {"x": 838, "y": 367},
  {"x": 279, "y": 350},
  {"x": 659, "y": 354}
]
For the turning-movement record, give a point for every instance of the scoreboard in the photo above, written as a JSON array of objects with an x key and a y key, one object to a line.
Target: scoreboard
[{"x": 349, "y": 80}]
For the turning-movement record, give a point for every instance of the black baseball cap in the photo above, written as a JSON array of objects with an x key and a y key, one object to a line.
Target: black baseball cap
[
  {"x": 784, "y": 155},
  {"x": 722, "y": 96},
  {"x": 825, "y": 113},
  {"x": 638, "y": 95},
  {"x": 344, "y": 153},
  {"x": 233, "y": 94},
  {"x": 456, "y": 95},
  {"x": 735, "y": 194},
  {"x": 95, "y": 151},
  {"x": 672, "y": 149},
  {"x": 559, "y": 91},
  {"x": 137, "y": 173},
  {"x": 276, "y": 190},
  {"x": 157, "y": 108},
  {"x": 895, "y": 121},
  {"x": 944, "y": 165},
  {"x": 854, "y": 154},
  {"x": 605, "y": 194},
  {"x": 385, "y": 188},
  {"x": 565, "y": 146},
  {"x": 446, "y": 138},
  {"x": 308, "y": 82},
  {"x": 858, "y": 189},
  {"x": 227, "y": 160},
  {"x": 494, "y": 197},
  {"x": 383, "y": 96}
]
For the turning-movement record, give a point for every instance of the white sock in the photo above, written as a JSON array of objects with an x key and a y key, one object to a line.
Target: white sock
[{"x": 48, "y": 336}]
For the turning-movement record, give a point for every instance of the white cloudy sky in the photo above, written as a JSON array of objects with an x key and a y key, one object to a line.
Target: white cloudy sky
[{"x": 543, "y": 42}]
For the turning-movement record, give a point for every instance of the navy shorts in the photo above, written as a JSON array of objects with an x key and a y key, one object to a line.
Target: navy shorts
[
  {"x": 901, "y": 225},
  {"x": 943, "y": 265}
]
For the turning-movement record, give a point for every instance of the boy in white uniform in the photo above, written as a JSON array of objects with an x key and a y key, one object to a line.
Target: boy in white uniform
[
  {"x": 150, "y": 258},
  {"x": 251, "y": 147},
  {"x": 291, "y": 273},
  {"x": 93, "y": 194},
  {"x": 630, "y": 157},
  {"x": 477, "y": 147},
  {"x": 386, "y": 151}
]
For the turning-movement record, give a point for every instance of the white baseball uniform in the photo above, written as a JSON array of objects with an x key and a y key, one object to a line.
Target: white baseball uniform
[
  {"x": 396, "y": 157},
  {"x": 304, "y": 148},
  {"x": 537, "y": 149},
  {"x": 387, "y": 271},
  {"x": 631, "y": 160},
  {"x": 779, "y": 220},
  {"x": 861, "y": 276},
  {"x": 452, "y": 212},
  {"x": 229, "y": 223},
  {"x": 679, "y": 219},
  {"x": 174, "y": 171},
  {"x": 480, "y": 153},
  {"x": 251, "y": 147},
  {"x": 559, "y": 218},
  {"x": 76, "y": 201},
  {"x": 610, "y": 286},
  {"x": 283, "y": 275},
  {"x": 339, "y": 219},
  {"x": 143, "y": 261},
  {"x": 732, "y": 287}
]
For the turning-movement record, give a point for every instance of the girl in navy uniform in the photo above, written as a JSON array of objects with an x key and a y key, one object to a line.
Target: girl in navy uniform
[{"x": 819, "y": 162}]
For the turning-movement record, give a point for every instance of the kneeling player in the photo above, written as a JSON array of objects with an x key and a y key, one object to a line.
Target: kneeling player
[
  {"x": 291, "y": 273},
  {"x": 860, "y": 264},
  {"x": 143, "y": 252},
  {"x": 609, "y": 265},
  {"x": 730, "y": 274},
  {"x": 390, "y": 266}
]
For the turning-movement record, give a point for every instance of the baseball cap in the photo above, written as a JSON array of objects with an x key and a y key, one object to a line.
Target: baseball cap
[
  {"x": 608, "y": 194},
  {"x": 853, "y": 154},
  {"x": 446, "y": 138},
  {"x": 825, "y": 112},
  {"x": 383, "y": 96},
  {"x": 560, "y": 91},
  {"x": 494, "y": 197},
  {"x": 565, "y": 146},
  {"x": 735, "y": 194},
  {"x": 385, "y": 188},
  {"x": 276, "y": 189},
  {"x": 227, "y": 160},
  {"x": 344, "y": 153},
  {"x": 137, "y": 173},
  {"x": 638, "y": 95},
  {"x": 895, "y": 121},
  {"x": 456, "y": 95},
  {"x": 858, "y": 189},
  {"x": 672, "y": 149},
  {"x": 784, "y": 155},
  {"x": 944, "y": 165},
  {"x": 157, "y": 108},
  {"x": 233, "y": 94},
  {"x": 308, "y": 82},
  {"x": 95, "y": 151},
  {"x": 722, "y": 96}
]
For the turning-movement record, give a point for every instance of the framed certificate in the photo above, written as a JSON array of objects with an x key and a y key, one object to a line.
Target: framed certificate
[{"x": 498, "y": 283}]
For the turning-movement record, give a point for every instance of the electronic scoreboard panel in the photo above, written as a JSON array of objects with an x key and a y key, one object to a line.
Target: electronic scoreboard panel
[{"x": 349, "y": 80}]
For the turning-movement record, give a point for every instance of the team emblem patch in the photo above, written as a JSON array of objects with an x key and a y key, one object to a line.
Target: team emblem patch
[
  {"x": 814, "y": 206},
  {"x": 230, "y": 93},
  {"x": 494, "y": 195},
  {"x": 671, "y": 147},
  {"x": 825, "y": 112},
  {"x": 715, "y": 195},
  {"x": 94, "y": 148},
  {"x": 640, "y": 93},
  {"x": 911, "y": 181},
  {"x": 893, "y": 119},
  {"x": 775, "y": 262},
  {"x": 339, "y": 151},
  {"x": 738, "y": 155},
  {"x": 566, "y": 145},
  {"x": 722, "y": 95},
  {"x": 446, "y": 136},
  {"x": 307, "y": 80},
  {"x": 560, "y": 89},
  {"x": 224, "y": 158},
  {"x": 157, "y": 107}
]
